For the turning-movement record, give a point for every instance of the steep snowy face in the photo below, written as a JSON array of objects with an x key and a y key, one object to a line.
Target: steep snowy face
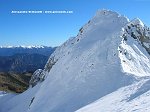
[
  {"x": 105, "y": 25},
  {"x": 84, "y": 68}
]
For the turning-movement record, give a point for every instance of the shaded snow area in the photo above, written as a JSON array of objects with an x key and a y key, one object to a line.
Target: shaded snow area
[
  {"x": 132, "y": 98},
  {"x": 105, "y": 68}
]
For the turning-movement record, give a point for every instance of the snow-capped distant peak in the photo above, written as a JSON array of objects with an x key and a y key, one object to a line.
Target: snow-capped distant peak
[
  {"x": 25, "y": 47},
  {"x": 6, "y": 46}
]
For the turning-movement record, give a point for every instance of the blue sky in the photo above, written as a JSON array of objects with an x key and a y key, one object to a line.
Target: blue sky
[{"x": 54, "y": 29}]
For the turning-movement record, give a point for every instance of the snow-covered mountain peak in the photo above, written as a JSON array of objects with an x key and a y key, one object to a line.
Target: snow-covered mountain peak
[
  {"x": 103, "y": 18},
  {"x": 105, "y": 12},
  {"x": 109, "y": 14}
]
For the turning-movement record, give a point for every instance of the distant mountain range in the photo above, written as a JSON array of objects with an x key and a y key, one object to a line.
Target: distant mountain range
[
  {"x": 12, "y": 50},
  {"x": 17, "y": 64},
  {"x": 23, "y": 58}
]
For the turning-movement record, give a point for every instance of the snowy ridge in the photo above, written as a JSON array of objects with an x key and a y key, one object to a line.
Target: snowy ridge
[
  {"x": 107, "y": 60},
  {"x": 134, "y": 58}
]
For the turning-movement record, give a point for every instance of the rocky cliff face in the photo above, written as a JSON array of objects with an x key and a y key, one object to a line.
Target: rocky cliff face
[
  {"x": 137, "y": 30},
  {"x": 37, "y": 77}
]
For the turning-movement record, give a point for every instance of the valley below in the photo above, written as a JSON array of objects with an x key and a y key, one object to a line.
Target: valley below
[{"x": 14, "y": 82}]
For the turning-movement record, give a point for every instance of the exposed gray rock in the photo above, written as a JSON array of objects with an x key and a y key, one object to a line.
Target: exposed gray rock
[{"x": 38, "y": 76}]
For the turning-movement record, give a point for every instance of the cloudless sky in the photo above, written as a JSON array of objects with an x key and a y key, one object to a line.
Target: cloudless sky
[{"x": 54, "y": 29}]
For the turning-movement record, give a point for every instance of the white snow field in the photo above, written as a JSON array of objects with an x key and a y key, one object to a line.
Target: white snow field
[{"x": 105, "y": 68}]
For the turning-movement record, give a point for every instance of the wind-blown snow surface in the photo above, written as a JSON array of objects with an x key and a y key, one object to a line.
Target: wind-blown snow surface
[{"x": 104, "y": 63}]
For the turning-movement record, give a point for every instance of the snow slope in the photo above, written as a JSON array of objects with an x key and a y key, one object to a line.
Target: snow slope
[
  {"x": 104, "y": 63},
  {"x": 132, "y": 98}
]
